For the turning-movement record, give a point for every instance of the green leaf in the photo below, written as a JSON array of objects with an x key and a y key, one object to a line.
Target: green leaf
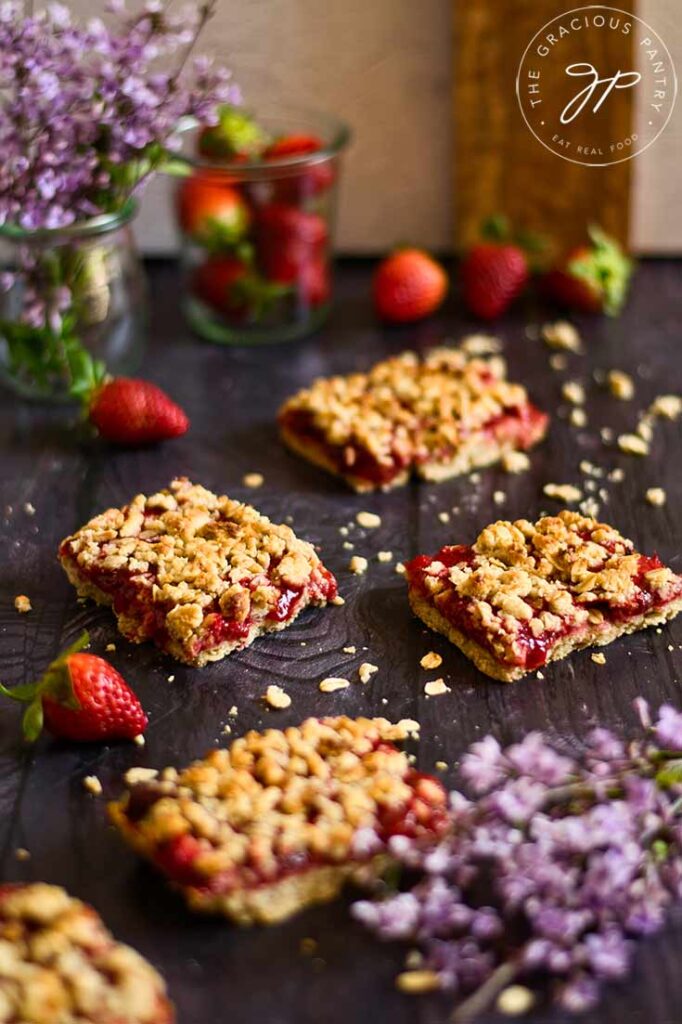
[
  {"x": 32, "y": 721},
  {"x": 25, "y": 692},
  {"x": 670, "y": 774}
]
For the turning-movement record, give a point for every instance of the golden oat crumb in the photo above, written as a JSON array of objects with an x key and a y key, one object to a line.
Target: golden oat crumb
[
  {"x": 400, "y": 568},
  {"x": 578, "y": 417},
  {"x": 573, "y": 392},
  {"x": 562, "y": 335},
  {"x": 632, "y": 444},
  {"x": 598, "y": 658},
  {"x": 368, "y": 519},
  {"x": 567, "y": 493},
  {"x": 620, "y": 385},
  {"x": 436, "y": 687},
  {"x": 431, "y": 660},
  {"x": 558, "y": 361},
  {"x": 515, "y": 462},
  {"x": 350, "y": 650},
  {"x": 366, "y": 671},
  {"x": 444, "y": 517},
  {"x": 348, "y": 545},
  {"x": 617, "y": 475},
  {"x": 333, "y": 683},
  {"x": 21, "y": 853},
  {"x": 515, "y": 1001},
  {"x": 277, "y": 698},
  {"x": 29, "y": 509},
  {"x": 499, "y": 497},
  {"x": 22, "y": 603},
  {"x": 441, "y": 766},
  {"x": 338, "y": 600},
  {"x": 110, "y": 647},
  {"x": 139, "y": 740},
  {"x": 416, "y": 982},
  {"x": 481, "y": 345},
  {"x": 253, "y": 480},
  {"x": 358, "y": 565},
  {"x": 93, "y": 785},
  {"x": 384, "y": 556},
  {"x": 656, "y": 496},
  {"x": 668, "y": 406},
  {"x": 135, "y": 775},
  {"x": 308, "y": 946}
]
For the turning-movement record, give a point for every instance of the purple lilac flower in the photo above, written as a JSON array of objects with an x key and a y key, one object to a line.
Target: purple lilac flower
[{"x": 556, "y": 868}]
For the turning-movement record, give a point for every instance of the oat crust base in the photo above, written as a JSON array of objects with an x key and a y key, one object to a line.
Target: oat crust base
[{"x": 486, "y": 663}]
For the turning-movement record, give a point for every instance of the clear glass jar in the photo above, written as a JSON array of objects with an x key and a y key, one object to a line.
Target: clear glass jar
[
  {"x": 266, "y": 274},
  {"x": 73, "y": 299}
]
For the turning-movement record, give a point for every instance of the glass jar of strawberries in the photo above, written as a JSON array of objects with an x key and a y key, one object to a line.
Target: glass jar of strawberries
[{"x": 256, "y": 220}]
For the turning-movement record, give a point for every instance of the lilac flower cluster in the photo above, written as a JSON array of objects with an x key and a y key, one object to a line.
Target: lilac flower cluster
[
  {"x": 551, "y": 870},
  {"x": 89, "y": 111}
]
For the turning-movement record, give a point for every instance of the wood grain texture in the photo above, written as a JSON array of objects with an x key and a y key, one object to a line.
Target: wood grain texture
[
  {"x": 500, "y": 167},
  {"x": 215, "y": 972}
]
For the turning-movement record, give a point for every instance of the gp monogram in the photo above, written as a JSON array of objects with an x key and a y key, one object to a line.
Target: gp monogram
[{"x": 582, "y": 76}]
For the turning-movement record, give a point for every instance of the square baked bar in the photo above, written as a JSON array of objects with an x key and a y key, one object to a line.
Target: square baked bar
[
  {"x": 60, "y": 965},
  {"x": 528, "y": 593},
  {"x": 200, "y": 575},
  {"x": 439, "y": 417},
  {"x": 281, "y": 819}
]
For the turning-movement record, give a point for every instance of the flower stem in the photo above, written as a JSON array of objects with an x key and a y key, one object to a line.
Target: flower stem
[{"x": 484, "y": 996}]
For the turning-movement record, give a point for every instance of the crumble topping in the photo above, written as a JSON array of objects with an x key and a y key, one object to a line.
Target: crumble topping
[
  {"x": 59, "y": 963},
  {"x": 92, "y": 784},
  {"x": 368, "y": 519},
  {"x": 333, "y": 683},
  {"x": 406, "y": 411},
  {"x": 633, "y": 444},
  {"x": 515, "y": 462},
  {"x": 384, "y": 556},
  {"x": 281, "y": 796},
  {"x": 431, "y": 660},
  {"x": 621, "y": 385},
  {"x": 358, "y": 565},
  {"x": 562, "y": 335},
  {"x": 574, "y": 392},
  {"x": 436, "y": 687},
  {"x": 578, "y": 417},
  {"x": 22, "y": 603},
  {"x": 253, "y": 480},
  {"x": 567, "y": 493},
  {"x": 598, "y": 658},
  {"x": 656, "y": 496},
  {"x": 276, "y": 697},
  {"x": 194, "y": 558},
  {"x": 366, "y": 671}
]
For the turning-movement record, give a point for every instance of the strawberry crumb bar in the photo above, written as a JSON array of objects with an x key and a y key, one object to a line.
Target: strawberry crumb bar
[
  {"x": 528, "y": 593},
  {"x": 60, "y": 965},
  {"x": 440, "y": 417},
  {"x": 280, "y": 819},
  {"x": 200, "y": 575}
]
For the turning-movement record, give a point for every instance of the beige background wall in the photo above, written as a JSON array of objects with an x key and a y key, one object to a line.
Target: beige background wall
[{"x": 385, "y": 66}]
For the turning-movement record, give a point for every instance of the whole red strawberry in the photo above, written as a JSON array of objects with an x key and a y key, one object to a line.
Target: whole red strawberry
[
  {"x": 495, "y": 271},
  {"x": 592, "y": 278},
  {"x": 80, "y": 697},
  {"x": 312, "y": 179},
  {"x": 232, "y": 287},
  {"x": 287, "y": 240},
  {"x": 131, "y": 411},
  {"x": 214, "y": 214},
  {"x": 409, "y": 285}
]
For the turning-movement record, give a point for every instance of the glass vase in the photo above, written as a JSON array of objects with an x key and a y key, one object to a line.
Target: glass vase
[{"x": 73, "y": 305}]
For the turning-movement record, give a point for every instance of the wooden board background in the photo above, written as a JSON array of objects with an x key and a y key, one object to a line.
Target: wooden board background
[
  {"x": 216, "y": 973},
  {"x": 500, "y": 167}
]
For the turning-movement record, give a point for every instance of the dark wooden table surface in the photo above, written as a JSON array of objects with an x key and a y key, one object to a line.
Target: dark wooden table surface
[{"x": 215, "y": 972}]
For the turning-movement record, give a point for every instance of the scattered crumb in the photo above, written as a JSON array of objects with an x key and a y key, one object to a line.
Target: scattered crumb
[
  {"x": 558, "y": 361},
  {"x": 29, "y": 509},
  {"x": 436, "y": 687},
  {"x": 226, "y": 730},
  {"x": 343, "y": 530},
  {"x": 366, "y": 671},
  {"x": 539, "y": 675},
  {"x": 620, "y": 385},
  {"x": 578, "y": 417},
  {"x": 410, "y": 726},
  {"x": 400, "y": 568},
  {"x": 499, "y": 497},
  {"x": 515, "y": 1001},
  {"x": 308, "y": 946},
  {"x": 139, "y": 740},
  {"x": 645, "y": 429},
  {"x": 573, "y": 392},
  {"x": 475, "y": 478},
  {"x": 413, "y": 958},
  {"x": 563, "y": 492},
  {"x": 349, "y": 650},
  {"x": 562, "y": 335},
  {"x": 332, "y": 683},
  {"x": 135, "y": 775},
  {"x": 589, "y": 469},
  {"x": 171, "y": 679},
  {"x": 384, "y": 556},
  {"x": 590, "y": 507},
  {"x": 22, "y": 604},
  {"x": 368, "y": 519},
  {"x": 348, "y": 546},
  {"x": 21, "y": 853},
  {"x": 616, "y": 475},
  {"x": 444, "y": 517},
  {"x": 632, "y": 444},
  {"x": 253, "y": 480},
  {"x": 431, "y": 660},
  {"x": 668, "y": 406},
  {"x": 481, "y": 345},
  {"x": 234, "y": 710},
  {"x": 416, "y": 982},
  {"x": 656, "y": 496},
  {"x": 441, "y": 766},
  {"x": 358, "y": 565},
  {"x": 606, "y": 434},
  {"x": 110, "y": 647},
  {"x": 515, "y": 462},
  {"x": 598, "y": 658},
  {"x": 93, "y": 785},
  {"x": 338, "y": 600},
  {"x": 276, "y": 697}
]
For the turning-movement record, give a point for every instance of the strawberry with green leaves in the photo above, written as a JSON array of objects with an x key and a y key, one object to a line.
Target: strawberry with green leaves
[
  {"x": 592, "y": 278},
  {"x": 80, "y": 697},
  {"x": 237, "y": 137},
  {"x": 215, "y": 215},
  {"x": 231, "y": 286}
]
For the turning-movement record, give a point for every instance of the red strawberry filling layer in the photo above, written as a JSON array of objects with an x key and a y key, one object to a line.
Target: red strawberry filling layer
[
  {"x": 524, "y": 648},
  {"x": 521, "y": 426},
  {"x": 424, "y": 815}
]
